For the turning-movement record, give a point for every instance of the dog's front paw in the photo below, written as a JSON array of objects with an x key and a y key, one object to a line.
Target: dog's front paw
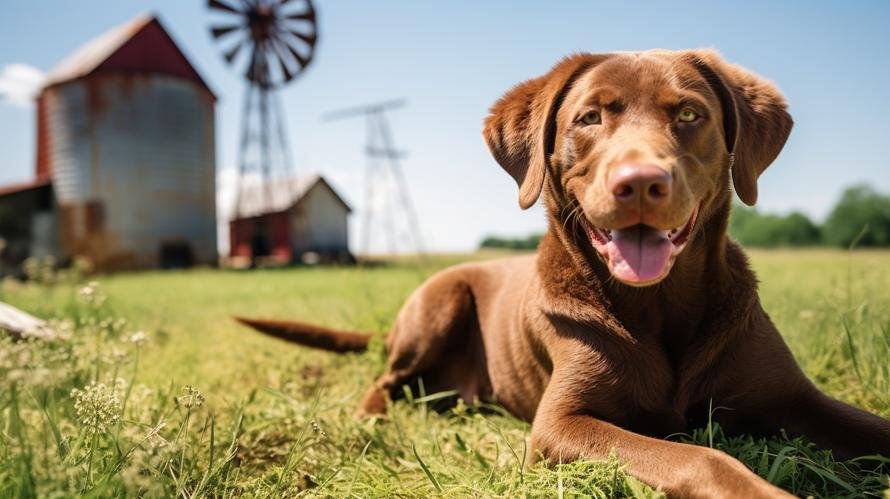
[{"x": 716, "y": 474}]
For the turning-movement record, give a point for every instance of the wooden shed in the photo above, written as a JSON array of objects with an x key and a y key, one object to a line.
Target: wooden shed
[{"x": 290, "y": 221}]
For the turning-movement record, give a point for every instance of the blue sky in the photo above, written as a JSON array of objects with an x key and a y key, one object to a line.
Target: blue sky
[{"x": 451, "y": 60}]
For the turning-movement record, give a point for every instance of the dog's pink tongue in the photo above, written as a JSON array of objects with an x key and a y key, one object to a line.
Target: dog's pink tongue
[{"x": 639, "y": 254}]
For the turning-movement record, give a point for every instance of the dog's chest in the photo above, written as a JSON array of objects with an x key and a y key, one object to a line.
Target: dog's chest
[{"x": 658, "y": 387}]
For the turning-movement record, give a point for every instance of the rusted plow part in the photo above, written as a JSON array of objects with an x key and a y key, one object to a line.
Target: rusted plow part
[{"x": 19, "y": 324}]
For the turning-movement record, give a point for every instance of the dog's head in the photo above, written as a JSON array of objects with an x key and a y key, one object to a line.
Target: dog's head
[{"x": 639, "y": 148}]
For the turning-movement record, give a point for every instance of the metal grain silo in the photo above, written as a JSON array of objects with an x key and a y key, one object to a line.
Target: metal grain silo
[{"x": 126, "y": 133}]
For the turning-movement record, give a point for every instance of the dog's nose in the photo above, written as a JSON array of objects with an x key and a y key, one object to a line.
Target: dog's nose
[{"x": 639, "y": 185}]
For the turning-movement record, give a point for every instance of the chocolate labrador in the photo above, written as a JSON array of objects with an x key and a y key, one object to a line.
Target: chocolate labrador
[{"x": 638, "y": 312}]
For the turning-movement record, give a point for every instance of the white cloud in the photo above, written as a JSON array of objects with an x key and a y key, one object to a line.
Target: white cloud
[{"x": 20, "y": 84}]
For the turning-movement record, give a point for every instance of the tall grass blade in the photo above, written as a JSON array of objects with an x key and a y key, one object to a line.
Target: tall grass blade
[
  {"x": 780, "y": 458},
  {"x": 426, "y": 469},
  {"x": 852, "y": 346}
]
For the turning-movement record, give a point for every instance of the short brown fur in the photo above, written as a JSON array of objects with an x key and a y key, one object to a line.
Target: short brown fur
[{"x": 597, "y": 365}]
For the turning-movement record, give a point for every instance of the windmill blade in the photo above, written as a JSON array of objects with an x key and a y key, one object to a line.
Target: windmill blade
[
  {"x": 285, "y": 70},
  {"x": 216, "y": 4},
  {"x": 232, "y": 53},
  {"x": 251, "y": 72},
  {"x": 285, "y": 37},
  {"x": 309, "y": 15},
  {"x": 220, "y": 31},
  {"x": 301, "y": 59},
  {"x": 308, "y": 39}
]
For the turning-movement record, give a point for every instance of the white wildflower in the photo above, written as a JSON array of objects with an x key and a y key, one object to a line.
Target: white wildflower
[
  {"x": 97, "y": 406},
  {"x": 317, "y": 428},
  {"x": 118, "y": 356},
  {"x": 191, "y": 398},
  {"x": 137, "y": 338},
  {"x": 91, "y": 294}
]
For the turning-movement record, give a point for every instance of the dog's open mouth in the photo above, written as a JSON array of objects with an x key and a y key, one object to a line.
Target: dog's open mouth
[{"x": 640, "y": 255}]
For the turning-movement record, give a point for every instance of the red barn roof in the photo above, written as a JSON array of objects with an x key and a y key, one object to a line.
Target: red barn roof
[{"x": 139, "y": 46}]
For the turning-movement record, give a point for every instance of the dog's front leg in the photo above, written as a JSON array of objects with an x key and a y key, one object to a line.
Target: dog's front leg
[
  {"x": 848, "y": 431},
  {"x": 769, "y": 391},
  {"x": 564, "y": 430}
]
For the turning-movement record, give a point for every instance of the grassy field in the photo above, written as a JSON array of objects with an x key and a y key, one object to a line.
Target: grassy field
[{"x": 199, "y": 406}]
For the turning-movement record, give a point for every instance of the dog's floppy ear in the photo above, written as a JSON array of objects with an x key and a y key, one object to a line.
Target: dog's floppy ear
[
  {"x": 756, "y": 122},
  {"x": 521, "y": 129}
]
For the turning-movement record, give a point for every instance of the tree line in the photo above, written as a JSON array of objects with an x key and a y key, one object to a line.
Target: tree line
[{"x": 861, "y": 216}]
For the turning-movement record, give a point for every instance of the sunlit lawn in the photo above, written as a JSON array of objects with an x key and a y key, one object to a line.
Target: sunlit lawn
[{"x": 277, "y": 418}]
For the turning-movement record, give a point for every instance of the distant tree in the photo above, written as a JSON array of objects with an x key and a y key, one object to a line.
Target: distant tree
[
  {"x": 859, "y": 206},
  {"x": 799, "y": 230},
  {"x": 527, "y": 243},
  {"x": 752, "y": 228}
]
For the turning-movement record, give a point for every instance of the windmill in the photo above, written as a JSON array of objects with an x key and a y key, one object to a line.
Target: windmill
[
  {"x": 271, "y": 42},
  {"x": 381, "y": 146}
]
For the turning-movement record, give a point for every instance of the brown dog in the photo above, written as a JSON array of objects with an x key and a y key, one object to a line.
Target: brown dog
[{"x": 637, "y": 312}]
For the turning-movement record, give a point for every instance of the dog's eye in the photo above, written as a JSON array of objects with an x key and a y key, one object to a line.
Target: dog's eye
[
  {"x": 591, "y": 118},
  {"x": 687, "y": 115}
]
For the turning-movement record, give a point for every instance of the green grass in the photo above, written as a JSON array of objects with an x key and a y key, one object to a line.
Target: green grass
[{"x": 274, "y": 420}]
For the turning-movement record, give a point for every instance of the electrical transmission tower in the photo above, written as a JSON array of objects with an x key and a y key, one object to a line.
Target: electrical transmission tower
[{"x": 380, "y": 153}]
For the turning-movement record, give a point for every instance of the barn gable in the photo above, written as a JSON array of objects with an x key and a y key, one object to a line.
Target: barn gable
[
  {"x": 141, "y": 46},
  {"x": 321, "y": 183}
]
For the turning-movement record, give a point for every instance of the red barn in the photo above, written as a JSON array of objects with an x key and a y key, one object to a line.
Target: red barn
[
  {"x": 302, "y": 220},
  {"x": 125, "y": 166}
]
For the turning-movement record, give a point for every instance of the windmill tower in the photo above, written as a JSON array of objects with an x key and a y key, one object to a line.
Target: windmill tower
[{"x": 271, "y": 42}]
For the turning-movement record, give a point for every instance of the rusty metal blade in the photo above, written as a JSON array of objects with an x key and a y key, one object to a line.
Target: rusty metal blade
[
  {"x": 216, "y": 4},
  {"x": 251, "y": 72},
  {"x": 220, "y": 31},
  {"x": 309, "y": 15},
  {"x": 301, "y": 59},
  {"x": 232, "y": 53},
  {"x": 288, "y": 74},
  {"x": 309, "y": 39}
]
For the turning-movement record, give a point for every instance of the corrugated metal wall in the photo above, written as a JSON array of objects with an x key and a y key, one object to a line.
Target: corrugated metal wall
[{"x": 133, "y": 166}]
